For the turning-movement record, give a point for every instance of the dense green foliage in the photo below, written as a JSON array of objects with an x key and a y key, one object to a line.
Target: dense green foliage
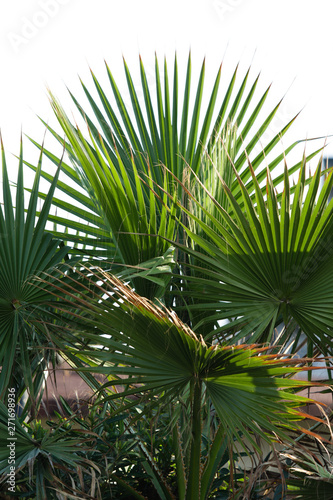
[{"x": 185, "y": 275}]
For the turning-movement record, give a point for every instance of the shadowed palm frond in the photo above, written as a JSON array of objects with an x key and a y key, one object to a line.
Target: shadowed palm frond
[
  {"x": 263, "y": 261},
  {"x": 27, "y": 249},
  {"x": 153, "y": 351}
]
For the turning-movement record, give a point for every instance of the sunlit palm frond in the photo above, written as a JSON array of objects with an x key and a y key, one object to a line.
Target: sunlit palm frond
[{"x": 117, "y": 214}]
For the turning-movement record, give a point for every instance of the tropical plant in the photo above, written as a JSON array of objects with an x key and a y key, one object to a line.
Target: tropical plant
[
  {"x": 124, "y": 160},
  {"x": 159, "y": 359},
  {"x": 311, "y": 478},
  {"x": 26, "y": 250},
  {"x": 52, "y": 459},
  {"x": 176, "y": 260},
  {"x": 267, "y": 260}
]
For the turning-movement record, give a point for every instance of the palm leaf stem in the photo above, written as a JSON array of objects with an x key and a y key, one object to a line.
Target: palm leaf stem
[{"x": 193, "y": 483}]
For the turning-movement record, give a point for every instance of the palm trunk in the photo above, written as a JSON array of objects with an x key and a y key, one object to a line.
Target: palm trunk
[{"x": 194, "y": 476}]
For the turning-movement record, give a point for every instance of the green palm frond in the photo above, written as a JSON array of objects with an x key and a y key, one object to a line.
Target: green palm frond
[
  {"x": 149, "y": 351},
  {"x": 122, "y": 220},
  {"x": 310, "y": 477},
  {"x": 262, "y": 261},
  {"x": 151, "y": 347},
  {"x": 26, "y": 250}
]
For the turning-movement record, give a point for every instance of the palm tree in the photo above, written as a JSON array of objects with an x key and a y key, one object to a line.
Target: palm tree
[
  {"x": 188, "y": 206},
  {"x": 124, "y": 161},
  {"x": 159, "y": 359},
  {"x": 179, "y": 262}
]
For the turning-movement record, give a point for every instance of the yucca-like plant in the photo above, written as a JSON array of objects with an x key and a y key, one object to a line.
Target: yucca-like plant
[{"x": 41, "y": 463}]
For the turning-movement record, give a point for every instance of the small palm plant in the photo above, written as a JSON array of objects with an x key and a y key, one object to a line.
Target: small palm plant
[
  {"x": 161, "y": 362},
  {"x": 181, "y": 274}
]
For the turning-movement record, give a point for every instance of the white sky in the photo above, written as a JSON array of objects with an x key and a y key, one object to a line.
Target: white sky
[{"x": 52, "y": 41}]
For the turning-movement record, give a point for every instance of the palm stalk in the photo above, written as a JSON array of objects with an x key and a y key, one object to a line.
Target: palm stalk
[{"x": 194, "y": 474}]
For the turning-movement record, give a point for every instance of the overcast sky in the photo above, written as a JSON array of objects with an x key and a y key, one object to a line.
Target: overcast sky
[{"x": 50, "y": 42}]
